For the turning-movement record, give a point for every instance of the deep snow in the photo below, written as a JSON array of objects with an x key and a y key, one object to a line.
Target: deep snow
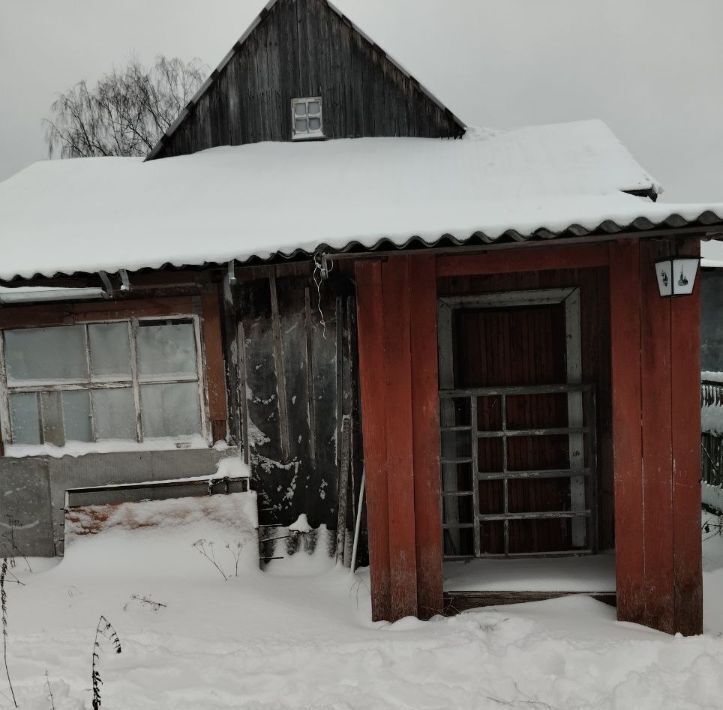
[{"x": 280, "y": 639}]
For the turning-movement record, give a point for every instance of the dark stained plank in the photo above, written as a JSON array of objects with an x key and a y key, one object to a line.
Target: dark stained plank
[
  {"x": 657, "y": 512},
  {"x": 505, "y": 261},
  {"x": 372, "y": 390},
  {"x": 397, "y": 379},
  {"x": 625, "y": 314},
  {"x": 215, "y": 365},
  {"x": 455, "y": 602},
  {"x": 426, "y": 441},
  {"x": 685, "y": 369}
]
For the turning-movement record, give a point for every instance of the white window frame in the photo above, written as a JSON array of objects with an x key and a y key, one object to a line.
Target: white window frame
[
  {"x": 135, "y": 381},
  {"x": 308, "y": 134}
]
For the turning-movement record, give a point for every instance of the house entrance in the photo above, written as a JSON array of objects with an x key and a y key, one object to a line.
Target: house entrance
[{"x": 517, "y": 426}]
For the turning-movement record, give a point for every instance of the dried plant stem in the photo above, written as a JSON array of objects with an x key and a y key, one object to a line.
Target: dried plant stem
[
  {"x": 4, "y": 605},
  {"x": 205, "y": 549},
  {"x": 50, "y": 691},
  {"x": 104, "y": 628}
]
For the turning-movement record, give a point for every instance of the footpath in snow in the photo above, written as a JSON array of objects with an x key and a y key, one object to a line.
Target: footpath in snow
[{"x": 299, "y": 636}]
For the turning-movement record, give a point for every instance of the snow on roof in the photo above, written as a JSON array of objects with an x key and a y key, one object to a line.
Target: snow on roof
[{"x": 264, "y": 199}]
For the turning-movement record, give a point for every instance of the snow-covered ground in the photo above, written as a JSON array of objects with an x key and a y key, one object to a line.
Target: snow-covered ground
[{"x": 285, "y": 639}]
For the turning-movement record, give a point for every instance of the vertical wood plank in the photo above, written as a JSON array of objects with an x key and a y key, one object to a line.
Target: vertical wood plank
[
  {"x": 625, "y": 304},
  {"x": 399, "y": 425},
  {"x": 685, "y": 373},
  {"x": 370, "y": 319},
  {"x": 215, "y": 366},
  {"x": 278, "y": 350},
  {"x": 656, "y": 443},
  {"x": 426, "y": 438}
]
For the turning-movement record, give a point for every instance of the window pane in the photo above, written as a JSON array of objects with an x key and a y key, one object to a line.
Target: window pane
[
  {"x": 314, "y": 107},
  {"x": 166, "y": 349},
  {"x": 24, "y": 418},
  {"x": 45, "y": 354},
  {"x": 300, "y": 109},
  {"x": 76, "y": 416},
  {"x": 300, "y": 125},
  {"x": 114, "y": 413},
  {"x": 110, "y": 352},
  {"x": 314, "y": 124},
  {"x": 170, "y": 410}
]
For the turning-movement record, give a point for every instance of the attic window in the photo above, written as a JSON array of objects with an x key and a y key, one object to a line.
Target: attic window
[{"x": 306, "y": 118}]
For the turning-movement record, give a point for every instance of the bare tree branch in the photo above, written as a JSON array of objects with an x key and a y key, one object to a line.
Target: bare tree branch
[{"x": 125, "y": 113}]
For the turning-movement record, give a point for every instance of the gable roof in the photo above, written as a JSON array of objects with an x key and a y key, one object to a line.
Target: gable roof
[
  {"x": 245, "y": 202},
  {"x": 188, "y": 112}
]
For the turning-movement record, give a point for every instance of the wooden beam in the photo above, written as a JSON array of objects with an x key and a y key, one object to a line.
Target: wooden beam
[
  {"x": 625, "y": 305},
  {"x": 425, "y": 406},
  {"x": 69, "y": 313},
  {"x": 657, "y": 510},
  {"x": 397, "y": 375},
  {"x": 370, "y": 319},
  {"x": 278, "y": 353},
  {"x": 685, "y": 369},
  {"x": 215, "y": 364},
  {"x": 522, "y": 259}
]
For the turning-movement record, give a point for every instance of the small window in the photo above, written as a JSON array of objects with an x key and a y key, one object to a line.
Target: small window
[
  {"x": 306, "y": 118},
  {"x": 129, "y": 380}
]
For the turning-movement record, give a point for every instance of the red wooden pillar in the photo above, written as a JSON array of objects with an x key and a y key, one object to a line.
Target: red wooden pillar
[
  {"x": 656, "y": 434},
  {"x": 425, "y": 408},
  {"x": 372, "y": 390},
  {"x": 685, "y": 364},
  {"x": 396, "y": 302},
  {"x": 625, "y": 311}
]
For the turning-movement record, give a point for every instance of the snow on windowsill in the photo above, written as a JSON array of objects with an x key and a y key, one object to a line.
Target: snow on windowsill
[{"x": 107, "y": 446}]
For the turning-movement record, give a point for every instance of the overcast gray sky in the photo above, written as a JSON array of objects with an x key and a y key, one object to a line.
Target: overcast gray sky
[{"x": 652, "y": 69}]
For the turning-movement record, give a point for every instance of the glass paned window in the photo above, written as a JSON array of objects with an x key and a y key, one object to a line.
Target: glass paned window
[
  {"x": 25, "y": 418},
  {"x": 76, "y": 415},
  {"x": 306, "y": 118},
  {"x": 168, "y": 410},
  {"x": 166, "y": 349},
  {"x": 114, "y": 414},
  {"x": 127, "y": 380},
  {"x": 45, "y": 354},
  {"x": 110, "y": 351}
]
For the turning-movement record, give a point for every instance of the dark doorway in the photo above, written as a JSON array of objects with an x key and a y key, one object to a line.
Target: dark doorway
[{"x": 517, "y": 426}]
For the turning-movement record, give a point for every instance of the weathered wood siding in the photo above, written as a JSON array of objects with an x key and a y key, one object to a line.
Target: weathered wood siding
[
  {"x": 304, "y": 48},
  {"x": 296, "y": 380},
  {"x": 711, "y": 324}
]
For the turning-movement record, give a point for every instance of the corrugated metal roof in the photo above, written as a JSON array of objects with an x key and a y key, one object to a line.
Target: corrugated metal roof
[{"x": 288, "y": 200}]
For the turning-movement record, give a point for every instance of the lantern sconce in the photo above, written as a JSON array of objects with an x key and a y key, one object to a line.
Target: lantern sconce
[{"x": 676, "y": 275}]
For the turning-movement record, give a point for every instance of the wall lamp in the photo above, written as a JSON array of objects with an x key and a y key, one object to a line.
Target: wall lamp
[{"x": 676, "y": 275}]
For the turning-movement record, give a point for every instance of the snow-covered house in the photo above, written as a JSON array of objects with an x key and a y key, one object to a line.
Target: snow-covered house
[{"x": 321, "y": 267}]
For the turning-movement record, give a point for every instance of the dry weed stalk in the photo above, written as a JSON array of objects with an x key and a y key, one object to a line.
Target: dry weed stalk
[
  {"x": 4, "y": 605},
  {"x": 104, "y": 629}
]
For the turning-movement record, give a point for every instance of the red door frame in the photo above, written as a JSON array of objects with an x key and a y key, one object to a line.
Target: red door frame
[{"x": 656, "y": 432}]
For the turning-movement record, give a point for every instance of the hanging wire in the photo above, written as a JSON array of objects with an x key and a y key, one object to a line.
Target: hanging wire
[{"x": 322, "y": 268}]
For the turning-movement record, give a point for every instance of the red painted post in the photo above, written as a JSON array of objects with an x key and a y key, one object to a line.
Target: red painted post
[
  {"x": 625, "y": 308},
  {"x": 685, "y": 364},
  {"x": 397, "y": 377},
  {"x": 657, "y": 440},
  {"x": 425, "y": 405},
  {"x": 370, "y": 320}
]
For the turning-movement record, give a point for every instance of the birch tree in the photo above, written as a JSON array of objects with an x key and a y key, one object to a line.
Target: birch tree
[{"x": 125, "y": 113}]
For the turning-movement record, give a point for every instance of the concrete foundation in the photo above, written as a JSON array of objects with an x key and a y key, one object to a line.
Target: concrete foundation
[{"x": 32, "y": 489}]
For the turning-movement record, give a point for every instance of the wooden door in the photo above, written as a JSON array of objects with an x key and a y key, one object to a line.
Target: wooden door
[{"x": 510, "y": 366}]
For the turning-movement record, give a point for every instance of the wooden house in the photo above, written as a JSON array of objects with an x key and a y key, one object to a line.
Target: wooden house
[{"x": 320, "y": 267}]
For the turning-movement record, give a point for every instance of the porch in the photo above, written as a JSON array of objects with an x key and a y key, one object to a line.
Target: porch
[{"x": 530, "y": 402}]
